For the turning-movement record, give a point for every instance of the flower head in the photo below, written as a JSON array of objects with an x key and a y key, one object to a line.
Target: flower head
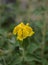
[{"x": 23, "y": 31}]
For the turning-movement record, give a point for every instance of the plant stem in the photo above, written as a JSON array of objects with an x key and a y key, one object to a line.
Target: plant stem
[
  {"x": 43, "y": 40},
  {"x": 4, "y": 61}
]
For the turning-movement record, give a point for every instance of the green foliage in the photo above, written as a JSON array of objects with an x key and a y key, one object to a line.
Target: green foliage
[{"x": 33, "y": 50}]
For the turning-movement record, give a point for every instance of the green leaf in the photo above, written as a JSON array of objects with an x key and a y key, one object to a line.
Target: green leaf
[{"x": 32, "y": 47}]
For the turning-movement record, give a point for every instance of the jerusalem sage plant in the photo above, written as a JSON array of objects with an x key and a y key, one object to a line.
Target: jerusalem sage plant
[{"x": 22, "y": 32}]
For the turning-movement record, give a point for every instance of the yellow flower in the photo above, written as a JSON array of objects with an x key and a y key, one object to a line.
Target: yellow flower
[
  {"x": 23, "y": 31},
  {"x": 16, "y": 29}
]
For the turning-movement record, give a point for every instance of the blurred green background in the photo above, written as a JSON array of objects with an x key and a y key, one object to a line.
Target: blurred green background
[{"x": 35, "y": 12}]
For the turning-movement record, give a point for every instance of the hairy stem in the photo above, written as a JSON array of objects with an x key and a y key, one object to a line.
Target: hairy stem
[{"x": 43, "y": 39}]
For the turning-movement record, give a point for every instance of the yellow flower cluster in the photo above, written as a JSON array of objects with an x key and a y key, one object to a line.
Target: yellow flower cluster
[{"x": 23, "y": 31}]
